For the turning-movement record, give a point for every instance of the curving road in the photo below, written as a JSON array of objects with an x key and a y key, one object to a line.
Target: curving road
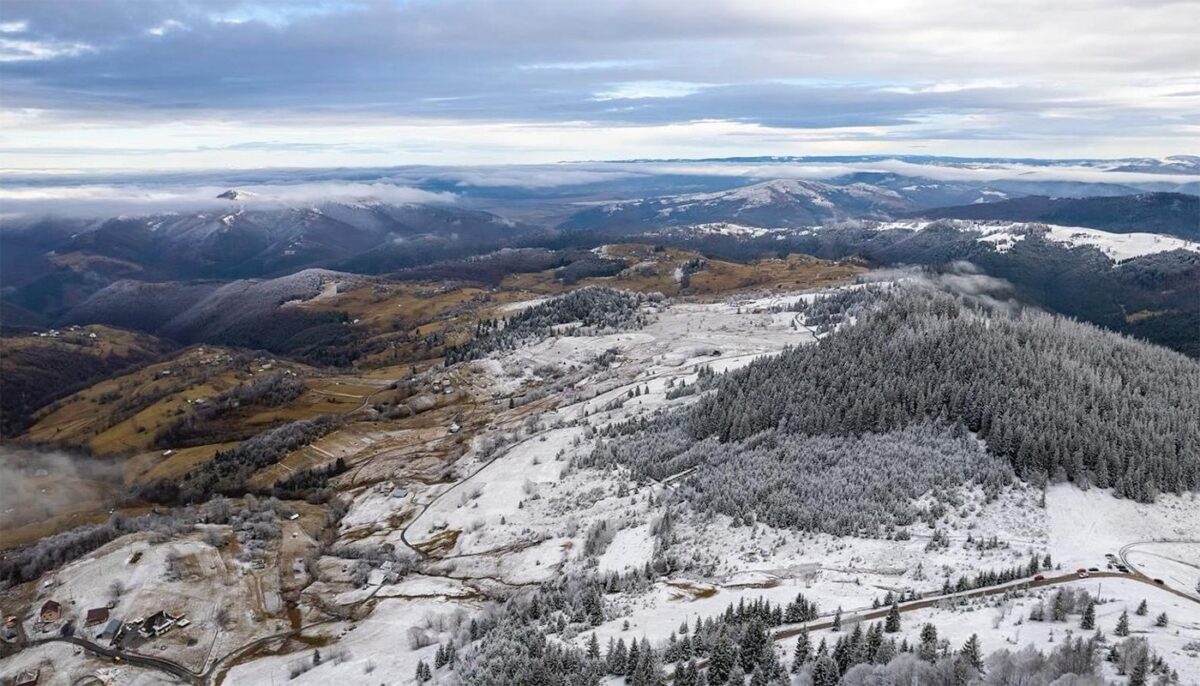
[{"x": 1123, "y": 554}]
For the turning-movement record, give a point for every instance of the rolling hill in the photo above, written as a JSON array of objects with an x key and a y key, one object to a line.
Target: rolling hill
[{"x": 1174, "y": 214}]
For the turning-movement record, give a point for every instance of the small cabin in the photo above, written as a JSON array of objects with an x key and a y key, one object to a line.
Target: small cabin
[
  {"x": 95, "y": 616},
  {"x": 51, "y": 611}
]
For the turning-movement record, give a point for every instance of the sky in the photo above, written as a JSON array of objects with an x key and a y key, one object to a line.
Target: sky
[{"x": 240, "y": 84}]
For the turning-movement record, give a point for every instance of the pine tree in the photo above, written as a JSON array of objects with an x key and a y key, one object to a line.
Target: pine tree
[
  {"x": 617, "y": 659},
  {"x": 825, "y": 672},
  {"x": 892, "y": 623},
  {"x": 439, "y": 658},
  {"x": 837, "y": 620},
  {"x": 1059, "y": 613},
  {"x": 927, "y": 650},
  {"x": 593, "y": 649},
  {"x": 754, "y": 643},
  {"x": 423, "y": 672},
  {"x": 1138, "y": 676},
  {"x": 803, "y": 651},
  {"x": 649, "y": 670},
  {"x": 1141, "y": 609},
  {"x": 631, "y": 662},
  {"x": 721, "y": 661},
  {"x": 1122, "y": 629},
  {"x": 316, "y": 660},
  {"x": 1089, "y": 616},
  {"x": 874, "y": 643},
  {"x": 685, "y": 674},
  {"x": 971, "y": 654},
  {"x": 1161, "y": 620}
]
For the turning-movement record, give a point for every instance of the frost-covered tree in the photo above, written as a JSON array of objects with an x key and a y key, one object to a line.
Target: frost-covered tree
[{"x": 1122, "y": 624}]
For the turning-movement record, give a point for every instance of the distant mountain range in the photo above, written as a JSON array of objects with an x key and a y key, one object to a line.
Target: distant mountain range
[
  {"x": 247, "y": 241},
  {"x": 1174, "y": 214},
  {"x": 1171, "y": 164},
  {"x": 52, "y": 264},
  {"x": 792, "y": 203},
  {"x": 776, "y": 203}
]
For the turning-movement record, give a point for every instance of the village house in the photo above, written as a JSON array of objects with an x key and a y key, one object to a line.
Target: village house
[
  {"x": 158, "y": 624},
  {"x": 51, "y": 611},
  {"x": 27, "y": 678},
  {"x": 95, "y": 616}
]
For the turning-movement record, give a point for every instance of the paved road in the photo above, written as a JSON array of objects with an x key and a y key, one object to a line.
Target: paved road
[
  {"x": 1123, "y": 554},
  {"x": 147, "y": 661},
  {"x": 826, "y": 621}
]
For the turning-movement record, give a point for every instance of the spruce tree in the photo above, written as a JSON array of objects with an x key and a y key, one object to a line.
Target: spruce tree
[
  {"x": 825, "y": 672},
  {"x": 1089, "y": 616},
  {"x": 1122, "y": 629},
  {"x": 754, "y": 643},
  {"x": 721, "y": 661},
  {"x": 971, "y": 654},
  {"x": 892, "y": 623},
  {"x": 837, "y": 620},
  {"x": 1161, "y": 620},
  {"x": 631, "y": 662},
  {"x": 1059, "y": 612},
  {"x": 1137, "y": 677},
  {"x": 1141, "y": 609},
  {"x": 927, "y": 650},
  {"x": 803, "y": 651},
  {"x": 649, "y": 670}
]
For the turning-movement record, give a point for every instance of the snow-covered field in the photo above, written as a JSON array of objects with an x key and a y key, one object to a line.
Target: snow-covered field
[{"x": 1003, "y": 235}]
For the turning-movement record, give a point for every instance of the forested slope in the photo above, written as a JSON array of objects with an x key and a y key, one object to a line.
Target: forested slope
[
  {"x": 592, "y": 309},
  {"x": 1053, "y": 396},
  {"x": 884, "y": 421}
]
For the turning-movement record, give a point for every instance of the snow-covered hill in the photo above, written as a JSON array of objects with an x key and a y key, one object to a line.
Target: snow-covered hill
[{"x": 779, "y": 202}]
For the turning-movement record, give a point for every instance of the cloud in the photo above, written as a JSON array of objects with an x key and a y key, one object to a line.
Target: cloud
[
  {"x": 142, "y": 197},
  {"x": 921, "y": 72},
  {"x": 93, "y": 194},
  {"x": 36, "y": 485}
]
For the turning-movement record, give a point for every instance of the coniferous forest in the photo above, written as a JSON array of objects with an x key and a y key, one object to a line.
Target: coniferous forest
[
  {"x": 1058, "y": 399},
  {"x": 890, "y": 407}
]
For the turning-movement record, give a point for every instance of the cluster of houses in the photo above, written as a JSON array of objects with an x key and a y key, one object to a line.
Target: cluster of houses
[
  {"x": 101, "y": 624},
  {"x": 55, "y": 333}
]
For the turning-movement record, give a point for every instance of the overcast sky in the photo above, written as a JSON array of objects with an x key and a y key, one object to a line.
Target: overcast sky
[{"x": 143, "y": 84}]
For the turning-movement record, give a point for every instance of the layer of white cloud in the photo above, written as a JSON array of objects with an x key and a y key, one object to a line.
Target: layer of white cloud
[
  {"x": 563, "y": 80},
  {"x": 143, "y": 197}
]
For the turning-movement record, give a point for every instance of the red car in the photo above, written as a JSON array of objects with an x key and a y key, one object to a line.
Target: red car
[
  {"x": 1039, "y": 577},
  {"x": 1081, "y": 573}
]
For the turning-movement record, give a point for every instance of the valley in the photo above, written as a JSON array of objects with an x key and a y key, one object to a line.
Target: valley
[{"x": 689, "y": 438}]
